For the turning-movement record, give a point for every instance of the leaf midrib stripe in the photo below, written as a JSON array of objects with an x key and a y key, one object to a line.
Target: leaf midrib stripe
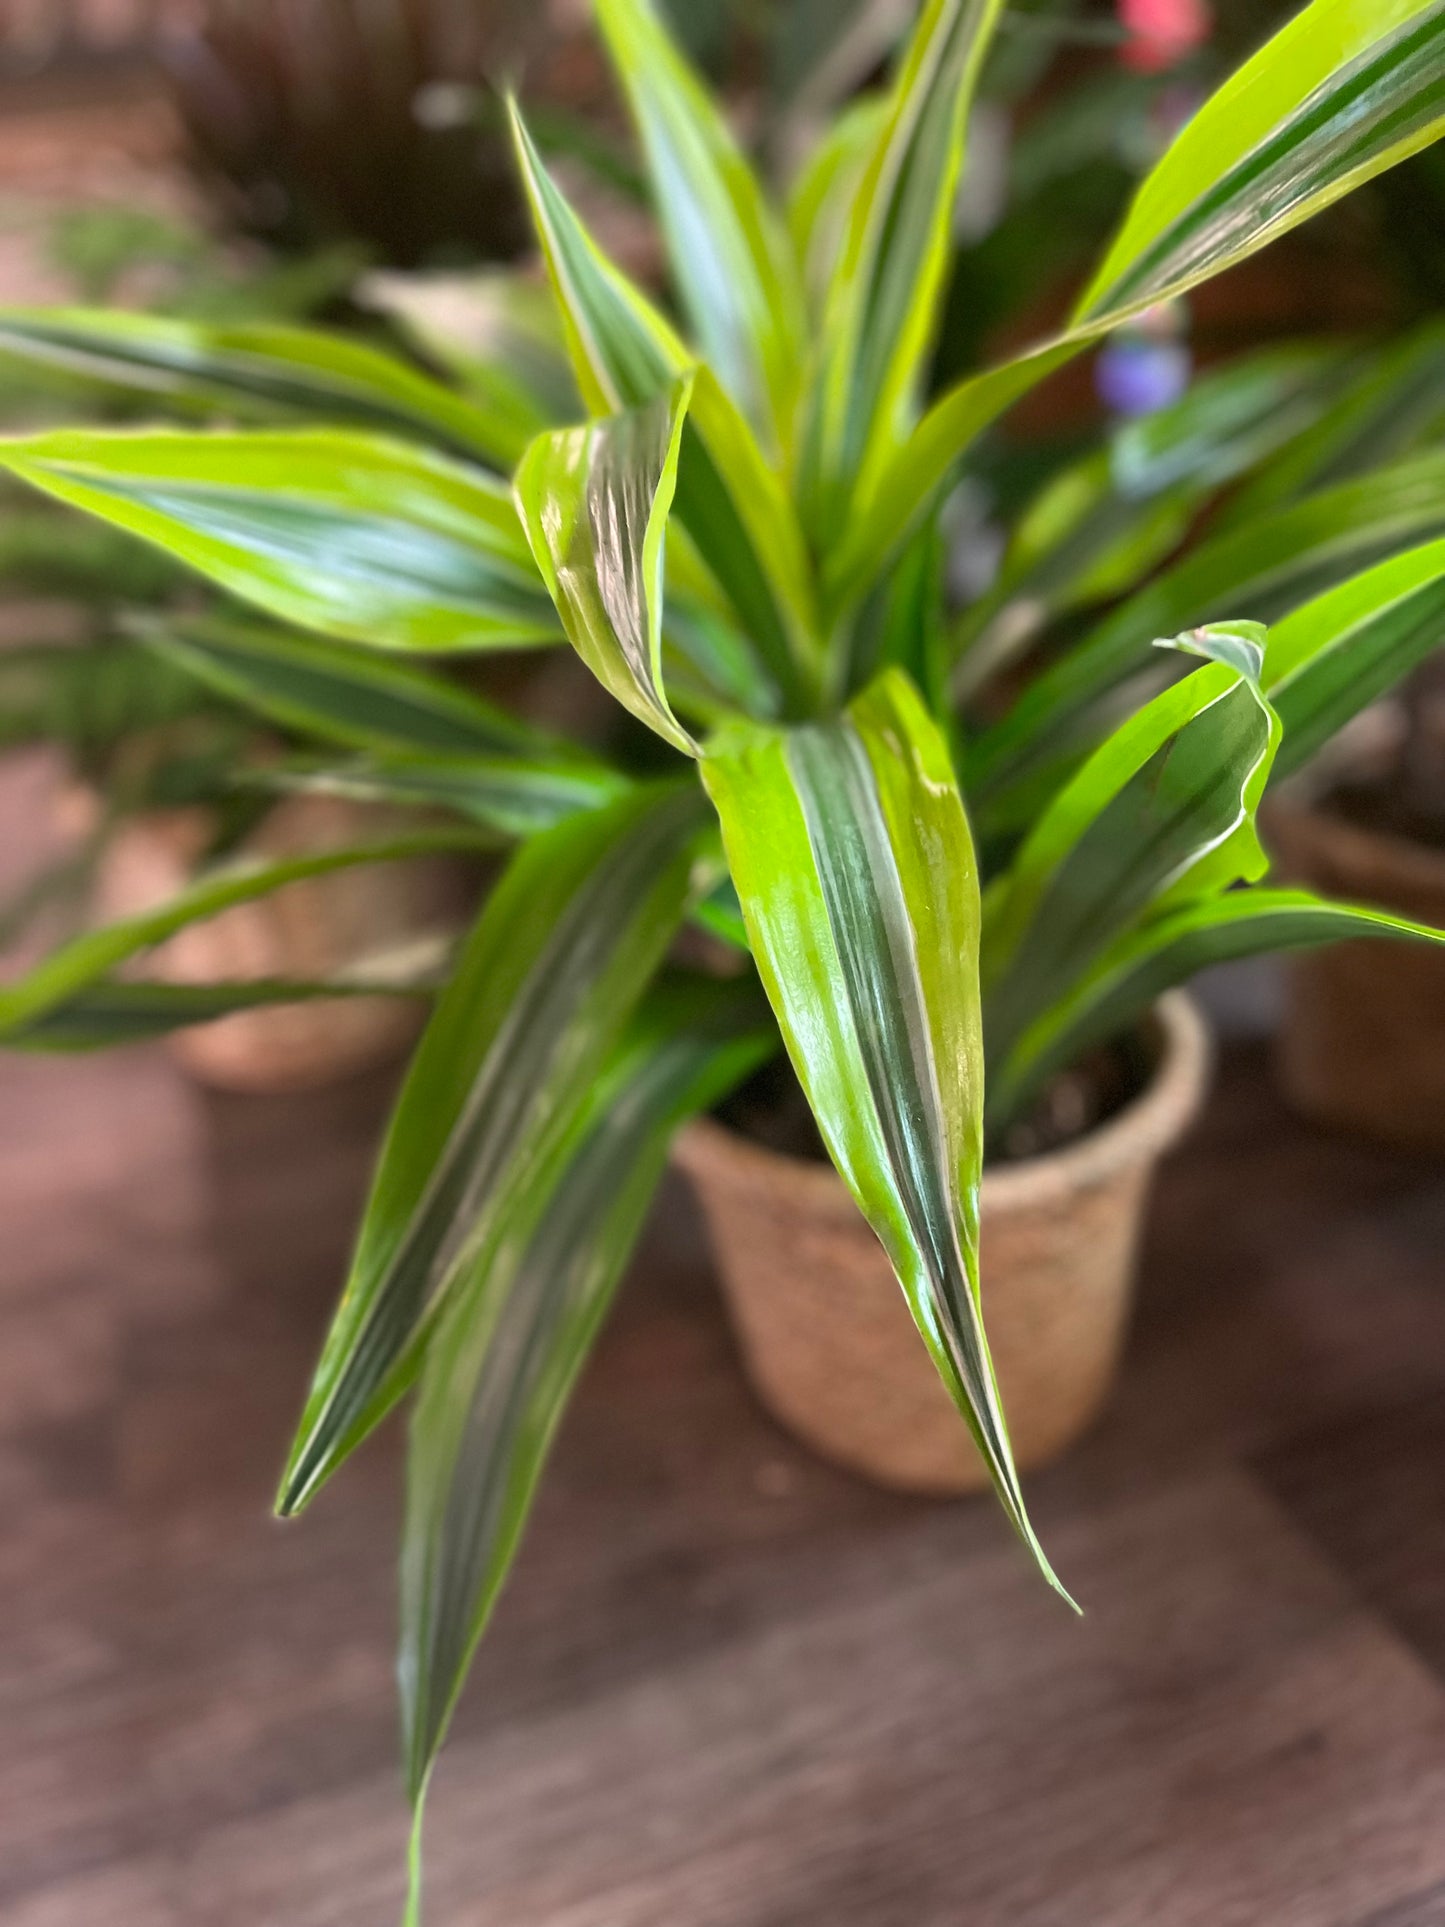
[{"x": 858, "y": 878}]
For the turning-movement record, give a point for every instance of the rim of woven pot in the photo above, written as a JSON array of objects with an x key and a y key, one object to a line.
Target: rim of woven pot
[{"x": 1141, "y": 1132}]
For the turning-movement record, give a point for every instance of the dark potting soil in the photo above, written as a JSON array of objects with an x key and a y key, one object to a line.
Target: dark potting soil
[{"x": 771, "y": 1110}]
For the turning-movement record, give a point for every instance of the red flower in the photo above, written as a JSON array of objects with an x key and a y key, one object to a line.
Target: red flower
[{"x": 1162, "y": 32}]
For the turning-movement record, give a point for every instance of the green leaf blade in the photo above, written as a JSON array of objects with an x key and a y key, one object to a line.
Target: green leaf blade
[
  {"x": 105, "y": 1015},
  {"x": 260, "y": 366},
  {"x": 850, "y": 852},
  {"x": 91, "y": 957},
  {"x": 1164, "y": 808},
  {"x": 514, "y": 1339},
  {"x": 1349, "y": 647},
  {"x": 594, "y": 502},
  {"x": 555, "y": 964},
  {"x": 1342, "y": 92},
  {"x": 1268, "y": 567},
  {"x": 624, "y": 353},
  {"x": 1169, "y": 950},
  {"x": 888, "y": 276},
  {"x": 360, "y": 538},
  {"x": 341, "y": 693},
  {"x": 518, "y": 796},
  {"x": 729, "y": 254}
]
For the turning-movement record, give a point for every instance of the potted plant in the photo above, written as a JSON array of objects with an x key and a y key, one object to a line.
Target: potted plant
[{"x": 742, "y": 542}]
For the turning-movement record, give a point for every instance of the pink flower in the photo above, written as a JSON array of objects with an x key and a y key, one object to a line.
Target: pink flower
[{"x": 1162, "y": 32}]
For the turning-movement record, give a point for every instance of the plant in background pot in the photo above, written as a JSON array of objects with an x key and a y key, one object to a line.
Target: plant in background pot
[
  {"x": 953, "y": 883},
  {"x": 1362, "y": 1042},
  {"x": 162, "y": 770}
]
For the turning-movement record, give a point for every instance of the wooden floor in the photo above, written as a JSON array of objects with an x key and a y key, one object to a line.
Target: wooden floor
[{"x": 728, "y": 1687}]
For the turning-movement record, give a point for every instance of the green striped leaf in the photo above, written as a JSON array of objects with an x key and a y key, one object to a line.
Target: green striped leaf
[
  {"x": 624, "y": 353},
  {"x": 343, "y": 694},
  {"x": 108, "y": 1014},
  {"x": 887, "y": 279},
  {"x": 728, "y": 498},
  {"x": 1268, "y": 568},
  {"x": 1345, "y": 649},
  {"x": 849, "y": 847},
  {"x": 551, "y": 972},
  {"x": 261, "y": 366},
  {"x": 1122, "y": 985},
  {"x": 361, "y": 538},
  {"x": 1342, "y": 92},
  {"x": 516, "y": 795},
  {"x": 86, "y": 960},
  {"x": 1163, "y": 810},
  {"x": 746, "y": 529},
  {"x": 594, "y": 502},
  {"x": 729, "y": 254},
  {"x": 824, "y": 191},
  {"x": 521, "y": 1322}
]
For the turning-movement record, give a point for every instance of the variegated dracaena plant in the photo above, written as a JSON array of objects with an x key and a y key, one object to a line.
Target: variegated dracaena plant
[{"x": 740, "y": 531}]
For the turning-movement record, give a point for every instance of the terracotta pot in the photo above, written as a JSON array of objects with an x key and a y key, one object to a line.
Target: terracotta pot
[
  {"x": 1363, "y": 1039},
  {"x": 311, "y": 929},
  {"x": 827, "y": 1337}
]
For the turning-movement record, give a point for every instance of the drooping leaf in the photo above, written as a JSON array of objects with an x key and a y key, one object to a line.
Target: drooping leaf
[
  {"x": 358, "y": 537},
  {"x": 262, "y": 367},
  {"x": 594, "y": 501},
  {"x": 886, "y": 281},
  {"x": 341, "y": 693},
  {"x": 556, "y": 963},
  {"x": 1122, "y": 985},
  {"x": 522, "y": 1319},
  {"x": 729, "y": 254},
  {"x": 1340, "y": 93},
  {"x": 87, "y": 959},
  {"x": 517, "y": 795},
  {"x": 849, "y": 847},
  {"x": 1164, "y": 808}
]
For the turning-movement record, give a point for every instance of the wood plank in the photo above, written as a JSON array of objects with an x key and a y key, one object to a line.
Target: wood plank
[{"x": 728, "y": 1683}]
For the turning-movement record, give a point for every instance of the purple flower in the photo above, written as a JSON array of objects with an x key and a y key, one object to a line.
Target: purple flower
[{"x": 1134, "y": 376}]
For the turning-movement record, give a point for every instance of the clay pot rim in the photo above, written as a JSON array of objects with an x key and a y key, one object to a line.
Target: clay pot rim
[
  {"x": 1139, "y": 1134},
  {"x": 1397, "y": 859}
]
